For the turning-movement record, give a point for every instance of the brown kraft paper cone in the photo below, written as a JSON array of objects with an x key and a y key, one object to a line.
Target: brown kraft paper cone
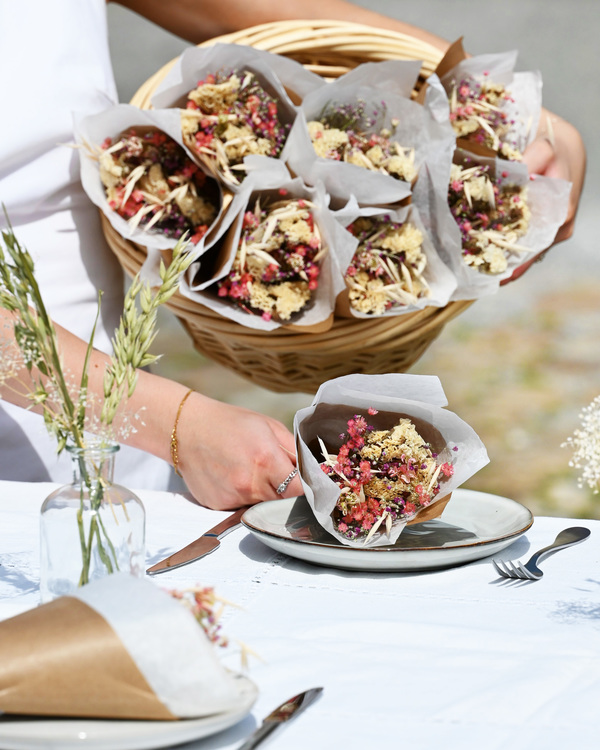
[{"x": 64, "y": 659}]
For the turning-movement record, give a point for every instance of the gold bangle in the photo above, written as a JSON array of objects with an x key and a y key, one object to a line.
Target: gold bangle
[{"x": 174, "y": 443}]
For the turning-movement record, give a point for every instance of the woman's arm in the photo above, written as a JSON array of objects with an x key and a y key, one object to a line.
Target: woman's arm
[
  {"x": 228, "y": 456},
  {"x": 198, "y": 20}
]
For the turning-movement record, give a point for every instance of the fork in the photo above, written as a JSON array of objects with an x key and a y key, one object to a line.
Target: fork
[{"x": 530, "y": 571}]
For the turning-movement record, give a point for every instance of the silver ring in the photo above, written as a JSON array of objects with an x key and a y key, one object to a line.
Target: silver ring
[{"x": 283, "y": 486}]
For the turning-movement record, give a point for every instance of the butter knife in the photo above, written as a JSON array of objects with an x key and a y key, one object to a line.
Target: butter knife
[
  {"x": 281, "y": 715},
  {"x": 208, "y": 542}
]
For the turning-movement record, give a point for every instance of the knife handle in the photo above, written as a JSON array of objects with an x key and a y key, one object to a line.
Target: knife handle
[
  {"x": 228, "y": 524},
  {"x": 260, "y": 734}
]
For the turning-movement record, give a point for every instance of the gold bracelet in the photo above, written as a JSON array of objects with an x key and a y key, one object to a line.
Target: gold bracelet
[{"x": 174, "y": 443}]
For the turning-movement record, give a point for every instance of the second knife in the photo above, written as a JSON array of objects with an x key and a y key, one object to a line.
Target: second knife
[{"x": 208, "y": 542}]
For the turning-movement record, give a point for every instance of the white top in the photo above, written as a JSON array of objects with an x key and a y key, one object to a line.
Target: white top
[
  {"x": 55, "y": 62},
  {"x": 456, "y": 658}
]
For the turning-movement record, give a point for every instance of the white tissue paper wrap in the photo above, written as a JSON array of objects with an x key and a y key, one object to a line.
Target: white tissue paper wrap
[
  {"x": 416, "y": 396},
  {"x": 385, "y": 89},
  {"x": 270, "y": 70},
  {"x": 525, "y": 89}
]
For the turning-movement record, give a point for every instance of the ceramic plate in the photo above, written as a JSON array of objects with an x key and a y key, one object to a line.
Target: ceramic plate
[
  {"x": 20, "y": 733},
  {"x": 473, "y": 525}
]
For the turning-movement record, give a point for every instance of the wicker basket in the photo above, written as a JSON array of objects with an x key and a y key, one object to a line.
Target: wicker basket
[{"x": 288, "y": 361}]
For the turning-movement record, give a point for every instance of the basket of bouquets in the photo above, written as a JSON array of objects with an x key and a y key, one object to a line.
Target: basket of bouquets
[
  {"x": 495, "y": 217},
  {"x": 233, "y": 103},
  {"x": 289, "y": 358},
  {"x": 395, "y": 269},
  {"x": 378, "y": 452},
  {"x": 136, "y": 170},
  {"x": 363, "y": 135},
  {"x": 494, "y": 110},
  {"x": 279, "y": 261}
]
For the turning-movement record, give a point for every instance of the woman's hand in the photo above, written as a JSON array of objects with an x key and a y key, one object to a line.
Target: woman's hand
[
  {"x": 230, "y": 456},
  {"x": 557, "y": 151}
]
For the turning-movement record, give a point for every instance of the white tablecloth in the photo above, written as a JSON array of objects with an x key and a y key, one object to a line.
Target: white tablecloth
[{"x": 455, "y": 658}]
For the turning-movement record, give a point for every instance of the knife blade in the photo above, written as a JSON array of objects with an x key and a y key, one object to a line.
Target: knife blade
[
  {"x": 281, "y": 715},
  {"x": 208, "y": 542}
]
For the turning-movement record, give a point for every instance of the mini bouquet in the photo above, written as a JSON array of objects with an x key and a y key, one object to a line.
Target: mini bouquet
[
  {"x": 494, "y": 218},
  {"x": 395, "y": 268},
  {"x": 493, "y": 110},
  {"x": 136, "y": 170},
  {"x": 152, "y": 183},
  {"x": 376, "y": 452},
  {"x": 280, "y": 260},
  {"x": 232, "y": 105},
  {"x": 363, "y": 140},
  {"x": 120, "y": 648},
  {"x": 491, "y": 213}
]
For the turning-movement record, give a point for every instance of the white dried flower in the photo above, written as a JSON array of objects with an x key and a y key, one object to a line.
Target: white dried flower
[{"x": 585, "y": 444}]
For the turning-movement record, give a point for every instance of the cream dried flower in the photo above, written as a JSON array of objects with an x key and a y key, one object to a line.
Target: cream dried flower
[{"x": 585, "y": 444}]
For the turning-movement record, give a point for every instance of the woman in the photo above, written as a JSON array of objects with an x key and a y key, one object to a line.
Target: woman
[{"x": 228, "y": 456}]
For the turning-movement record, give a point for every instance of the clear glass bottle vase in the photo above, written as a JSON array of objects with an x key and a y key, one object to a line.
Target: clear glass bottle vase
[{"x": 91, "y": 527}]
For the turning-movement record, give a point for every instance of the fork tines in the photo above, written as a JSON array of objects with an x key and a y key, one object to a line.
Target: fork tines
[{"x": 513, "y": 570}]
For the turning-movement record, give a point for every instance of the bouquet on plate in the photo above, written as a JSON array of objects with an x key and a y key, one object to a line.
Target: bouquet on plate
[
  {"x": 383, "y": 475},
  {"x": 376, "y": 452}
]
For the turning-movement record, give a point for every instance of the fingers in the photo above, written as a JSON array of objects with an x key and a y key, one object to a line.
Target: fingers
[{"x": 539, "y": 156}]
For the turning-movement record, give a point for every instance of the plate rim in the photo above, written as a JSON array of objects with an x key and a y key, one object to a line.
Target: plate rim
[{"x": 381, "y": 549}]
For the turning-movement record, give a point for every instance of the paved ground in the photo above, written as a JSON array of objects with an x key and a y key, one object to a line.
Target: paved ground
[{"x": 518, "y": 366}]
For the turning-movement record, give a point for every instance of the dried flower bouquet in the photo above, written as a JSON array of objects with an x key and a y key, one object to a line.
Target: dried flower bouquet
[
  {"x": 278, "y": 261},
  {"x": 492, "y": 214},
  {"x": 494, "y": 110},
  {"x": 152, "y": 183},
  {"x": 384, "y": 475},
  {"x": 387, "y": 270},
  {"x": 478, "y": 115},
  {"x": 230, "y": 115},
  {"x": 347, "y": 132},
  {"x": 375, "y": 451}
]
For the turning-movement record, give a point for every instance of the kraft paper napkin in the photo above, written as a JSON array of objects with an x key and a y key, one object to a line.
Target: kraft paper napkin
[
  {"x": 118, "y": 648},
  {"x": 419, "y": 397}
]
